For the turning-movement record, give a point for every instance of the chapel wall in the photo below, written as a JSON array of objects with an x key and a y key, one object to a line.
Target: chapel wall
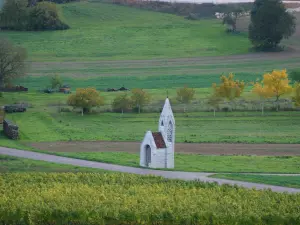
[{"x": 159, "y": 159}]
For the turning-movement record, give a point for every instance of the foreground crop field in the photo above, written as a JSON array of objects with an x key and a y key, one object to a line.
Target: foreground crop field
[
  {"x": 287, "y": 181},
  {"x": 105, "y": 31},
  {"x": 126, "y": 199}
]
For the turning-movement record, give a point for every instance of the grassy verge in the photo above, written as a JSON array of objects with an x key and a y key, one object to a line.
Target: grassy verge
[
  {"x": 201, "y": 163},
  {"x": 14, "y": 164},
  {"x": 40, "y": 125},
  {"x": 286, "y": 181}
]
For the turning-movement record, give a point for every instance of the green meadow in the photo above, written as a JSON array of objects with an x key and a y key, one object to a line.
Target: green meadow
[
  {"x": 46, "y": 124},
  {"x": 288, "y": 181},
  {"x": 106, "y": 31}
]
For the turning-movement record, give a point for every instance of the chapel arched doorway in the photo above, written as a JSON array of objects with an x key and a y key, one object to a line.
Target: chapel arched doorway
[{"x": 147, "y": 155}]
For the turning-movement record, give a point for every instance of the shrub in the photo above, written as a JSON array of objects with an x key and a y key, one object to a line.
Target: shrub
[
  {"x": 295, "y": 75},
  {"x": 85, "y": 99},
  {"x": 139, "y": 99},
  {"x": 44, "y": 16},
  {"x": 122, "y": 103},
  {"x": 56, "y": 82},
  {"x": 31, "y": 16},
  {"x": 14, "y": 15}
]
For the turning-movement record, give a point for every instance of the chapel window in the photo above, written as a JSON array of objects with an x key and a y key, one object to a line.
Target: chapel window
[{"x": 170, "y": 132}]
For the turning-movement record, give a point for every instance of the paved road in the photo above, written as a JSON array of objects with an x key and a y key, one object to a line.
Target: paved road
[{"x": 167, "y": 174}]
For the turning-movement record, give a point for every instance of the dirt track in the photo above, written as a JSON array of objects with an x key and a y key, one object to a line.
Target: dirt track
[{"x": 205, "y": 149}]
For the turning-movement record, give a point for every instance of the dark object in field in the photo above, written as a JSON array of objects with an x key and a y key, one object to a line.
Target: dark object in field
[
  {"x": 111, "y": 89},
  {"x": 10, "y": 129},
  {"x": 48, "y": 90},
  {"x": 65, "y": 89},
  {"x": 14, "y": 108},
  {"x": 123, "y": 89},
  {"x": 120, "y": 89},
  {"x": 14, "y": 89}
]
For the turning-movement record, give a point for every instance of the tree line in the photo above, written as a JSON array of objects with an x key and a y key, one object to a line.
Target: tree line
[
  {"x": 273, "y": 85},
  {"x": 29, "y": 15}
]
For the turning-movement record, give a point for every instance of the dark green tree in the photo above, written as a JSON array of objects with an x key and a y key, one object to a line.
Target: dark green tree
[
  {"x": 270, "y": 23},
  {"x": 30, "y": 15},
  {"x": 295, "y": 75},
  {"x": 14, "y": 14},
  {"x": 44, "y": 16}
]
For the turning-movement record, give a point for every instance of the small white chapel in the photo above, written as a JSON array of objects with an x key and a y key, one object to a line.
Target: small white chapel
[{"x": 157, "y": 148}]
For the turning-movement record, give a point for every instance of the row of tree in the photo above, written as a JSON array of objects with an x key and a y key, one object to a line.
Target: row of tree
[
  {"x": 273, "y": 85},
  {"x": 87, "y": 98},
  {"x": 30, "y": 16},
  {"x": 270, "y": 23}
]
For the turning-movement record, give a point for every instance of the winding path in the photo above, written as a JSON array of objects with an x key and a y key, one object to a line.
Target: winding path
[{"x": 167, "y": 174}]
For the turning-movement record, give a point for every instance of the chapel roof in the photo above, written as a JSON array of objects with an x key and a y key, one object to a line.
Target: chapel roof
[{"x": 159, "y": 140}]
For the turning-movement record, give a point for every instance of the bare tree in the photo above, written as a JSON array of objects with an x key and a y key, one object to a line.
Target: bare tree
[
  {"x": 12, "y": 61},
  {"x": 230, "y": 18}
]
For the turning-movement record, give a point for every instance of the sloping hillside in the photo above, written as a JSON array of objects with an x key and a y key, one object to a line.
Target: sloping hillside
[{"x": 105, "y": 31}]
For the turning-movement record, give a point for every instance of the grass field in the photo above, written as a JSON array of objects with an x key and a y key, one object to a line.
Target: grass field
[
  {"x": 105, "y": 31},
  {"x": 202, "y": 163},
  {"x": 36, "y": 126},
  {"x": 10, "y": 164},
  {"x": 147, "y": 80},
  {"x": 287, "y": 181},
  {"x": 160, "y": 82}
]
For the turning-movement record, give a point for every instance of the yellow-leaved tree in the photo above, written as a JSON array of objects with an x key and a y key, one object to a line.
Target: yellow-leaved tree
[
  {"x": 274, "y": 84},
  {"x": 85, "y": 99},
  {"x": 263, "y": 92},
  {"x": 229, "y": 88}
]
